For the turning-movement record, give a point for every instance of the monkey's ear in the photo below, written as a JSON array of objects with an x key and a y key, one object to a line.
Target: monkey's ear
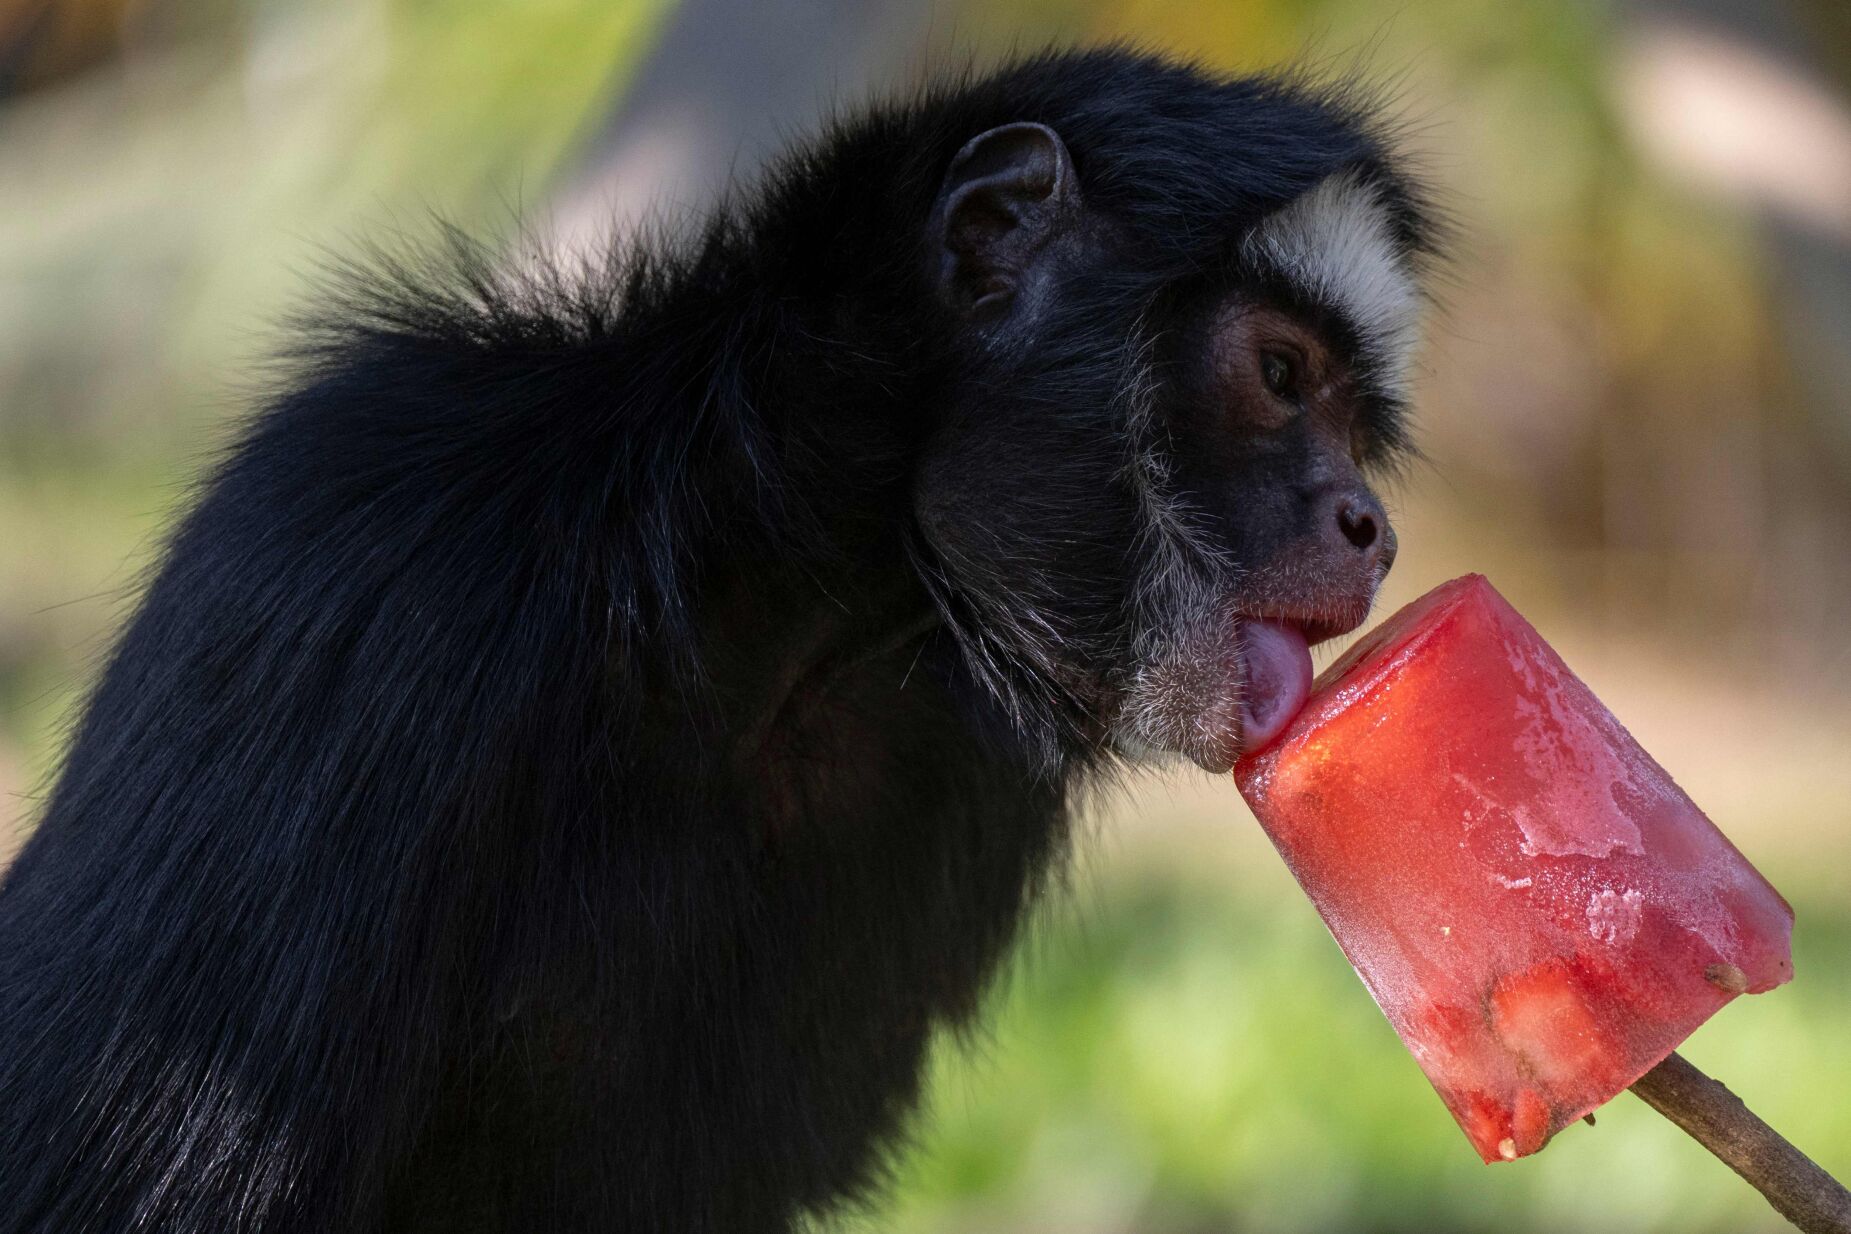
[{"x": 1009, "y": 193}]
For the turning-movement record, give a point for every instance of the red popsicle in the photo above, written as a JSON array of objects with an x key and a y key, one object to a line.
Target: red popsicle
[{"x": 1541, "y": 913}]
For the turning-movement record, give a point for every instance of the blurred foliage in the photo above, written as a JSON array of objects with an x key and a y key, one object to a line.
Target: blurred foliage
[
  {"x": 1626, "y": 405},
  {"x": 1196, "y": 1055},
  {"x": 162, "y": 209}
]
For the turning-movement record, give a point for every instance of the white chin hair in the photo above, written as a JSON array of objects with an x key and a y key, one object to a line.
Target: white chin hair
[{"x": 1184, "y": 704}]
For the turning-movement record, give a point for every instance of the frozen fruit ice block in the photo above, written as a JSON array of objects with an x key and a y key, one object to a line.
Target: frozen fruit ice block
[{"x": 1541, "y": 913}]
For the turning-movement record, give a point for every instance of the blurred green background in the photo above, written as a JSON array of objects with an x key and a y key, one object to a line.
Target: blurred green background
[{"x": 1636, "y": 403}]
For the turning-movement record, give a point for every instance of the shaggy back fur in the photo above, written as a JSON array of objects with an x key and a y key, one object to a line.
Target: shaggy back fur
[{"x": 504, "y": 811}]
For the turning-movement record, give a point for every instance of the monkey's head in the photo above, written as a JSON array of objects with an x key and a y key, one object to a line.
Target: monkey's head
[{"x": 1188, "y": 321}]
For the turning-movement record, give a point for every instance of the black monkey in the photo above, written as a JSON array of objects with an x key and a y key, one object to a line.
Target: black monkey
[{"x": 594, "y": 728}]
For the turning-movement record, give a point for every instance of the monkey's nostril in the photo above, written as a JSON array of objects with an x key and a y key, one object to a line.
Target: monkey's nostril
[{"x": 1360, "y": 525}]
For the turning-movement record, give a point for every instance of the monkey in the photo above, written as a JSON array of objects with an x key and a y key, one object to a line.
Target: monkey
[{"x": 598, "y": 723}]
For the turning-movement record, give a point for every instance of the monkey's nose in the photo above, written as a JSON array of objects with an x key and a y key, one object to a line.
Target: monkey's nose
[
  {"x": 1363, "y": 522},
  {"x": 1359, "y": 523}
]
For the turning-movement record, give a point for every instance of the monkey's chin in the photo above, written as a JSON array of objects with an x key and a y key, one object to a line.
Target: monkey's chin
[
  {"x": 1274, "y": 681},
  {"x": 1231, "y": 697}
]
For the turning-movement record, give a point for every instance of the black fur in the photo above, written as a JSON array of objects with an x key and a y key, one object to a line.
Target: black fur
[{"x": 554, "y": 782}]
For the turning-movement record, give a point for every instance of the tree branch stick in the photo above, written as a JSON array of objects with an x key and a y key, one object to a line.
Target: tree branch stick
[{"x": 1714, "y": 1117}]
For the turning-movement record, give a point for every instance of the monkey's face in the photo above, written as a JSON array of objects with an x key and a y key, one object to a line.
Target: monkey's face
[
  {"x": 1266, "y": 428},
  {"x": 1149, "y": 499}
]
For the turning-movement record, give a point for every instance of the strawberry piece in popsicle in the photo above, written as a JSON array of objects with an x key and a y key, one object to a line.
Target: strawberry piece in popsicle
[{"x": 1541, "y": 913}]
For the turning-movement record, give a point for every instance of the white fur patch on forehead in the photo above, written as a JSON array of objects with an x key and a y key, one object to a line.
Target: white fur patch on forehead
[{"x": 1337, "y": 244}]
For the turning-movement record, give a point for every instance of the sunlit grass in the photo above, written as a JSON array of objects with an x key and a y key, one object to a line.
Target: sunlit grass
[{"x": 1185, "y": 1051}]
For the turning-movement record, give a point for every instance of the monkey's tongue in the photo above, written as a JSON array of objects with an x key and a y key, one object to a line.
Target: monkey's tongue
[{"x": 1278, "y": 680}]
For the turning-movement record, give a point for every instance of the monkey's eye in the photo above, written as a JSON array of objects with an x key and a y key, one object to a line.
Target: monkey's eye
[{"x": 1279, "y": 374}]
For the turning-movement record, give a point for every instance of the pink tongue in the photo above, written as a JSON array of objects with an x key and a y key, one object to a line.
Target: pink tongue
[{"x": 1278, "y": 680}]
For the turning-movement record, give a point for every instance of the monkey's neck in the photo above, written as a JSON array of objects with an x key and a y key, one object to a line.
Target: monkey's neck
[{"x": 813, "y": 657}]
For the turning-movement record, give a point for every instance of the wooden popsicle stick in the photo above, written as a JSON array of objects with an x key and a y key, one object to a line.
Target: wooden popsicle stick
[{"x": 1714, "y": 1117}]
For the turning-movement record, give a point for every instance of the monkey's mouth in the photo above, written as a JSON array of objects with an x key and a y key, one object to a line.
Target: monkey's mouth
[
  {"x": 1275, "y": 679},
  {"x": 1227, "y": 689}
]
